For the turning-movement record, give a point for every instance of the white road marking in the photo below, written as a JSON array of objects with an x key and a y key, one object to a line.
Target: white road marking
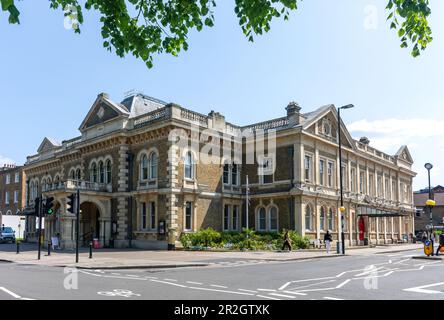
[
  {"x": 284, "y": 286},
  {"x": 174, "y": 280},
  {"x": 192, "y": 282},
  {"x": 252, "y": 291},
  {"x": 217, "y": 286},
  {"x": 282, "y": 295},
  {"x": 10, "y": 293},
  {"x": 123, "y": 277},
  {"x": 170, "y": 283},
  {"x": 422, "y": 289},
  {"x": 295, "y": 292},
  {"x": 267, "y": 290},
  {"x": 313, "y": 284},
  {"x": 271, "y": 298},
  {"x": 224, "y": 291},
  {"x": 14, "y": 295},
  {"x": 343, "y": 284},
  {"x": 332, "y": 298}
]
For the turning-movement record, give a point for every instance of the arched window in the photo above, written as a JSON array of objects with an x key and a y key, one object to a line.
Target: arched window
[
  {"x": 153, "y": 165},
  {"x": 144, "y": 168},
  {"x": 262, "y": 219},
  {"x": 108, "y": 171},
  {"x": 33, "y": 196},
  {"x": 72, "y": 174},
  {"x": 48, "y": 184},
  {"x": 273, "y": 218},
  {"x": 57, "y": 181},
  {"x": 189, "y": 165},
  {"x": 308, "y": 218},
  {"x": 322, "y": 219},
  {"x": 234, "y": 174},
  {"x": 226, "y": 174},
  {"x": 101, "y": 172},
  {"x": 78, "y": 174},
  {"x": 44, "y": 185},
  {"x": 94, "y": 172},
  {"x": 330, "y": 219}
]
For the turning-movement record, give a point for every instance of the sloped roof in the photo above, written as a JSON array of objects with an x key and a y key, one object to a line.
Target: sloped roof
[
  {"x": 139, "y": 104},
  {"x": 48, "y": 143}
]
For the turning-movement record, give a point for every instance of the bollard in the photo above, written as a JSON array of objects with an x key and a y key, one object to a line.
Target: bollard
[
  {"x": 49, "y": 248},
  {"x": 18, "y": 247},
  {"x": 90, "y": 250}
]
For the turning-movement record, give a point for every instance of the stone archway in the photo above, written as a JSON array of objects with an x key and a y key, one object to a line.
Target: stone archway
[{"x": 90, "y": 227}]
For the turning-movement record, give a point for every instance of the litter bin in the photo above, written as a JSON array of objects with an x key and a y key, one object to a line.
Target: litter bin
[{"x": 96, "y": 243}]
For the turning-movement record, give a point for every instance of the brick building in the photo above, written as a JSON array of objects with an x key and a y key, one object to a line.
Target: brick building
[
  {"x": 422, "y": 218},
  {"x": 12, "y": 190},
  {"x": 140, "y": 188}
]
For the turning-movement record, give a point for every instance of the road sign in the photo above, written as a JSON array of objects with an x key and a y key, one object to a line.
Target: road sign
[{"x": 428, "y": 248}]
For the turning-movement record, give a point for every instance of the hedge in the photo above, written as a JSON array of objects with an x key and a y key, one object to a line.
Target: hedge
[{"x": 245, "y": 240}]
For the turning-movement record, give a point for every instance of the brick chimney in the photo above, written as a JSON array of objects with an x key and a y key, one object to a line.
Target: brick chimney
[{"x": 293, "y": 113}]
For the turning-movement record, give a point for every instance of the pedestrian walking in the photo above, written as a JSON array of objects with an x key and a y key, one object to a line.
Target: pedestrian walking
[
  {"x": 328, "y": 239},
  {"x": 441, "y": 244},
  {"x": 424, "y": 237},
  {"x": 287, "y": 241}
]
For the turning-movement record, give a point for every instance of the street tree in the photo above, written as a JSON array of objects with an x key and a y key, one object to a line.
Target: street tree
[{"x": 145, "y": 28}]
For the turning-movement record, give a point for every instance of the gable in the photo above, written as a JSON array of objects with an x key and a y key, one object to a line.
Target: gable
[
  {"x": 326, "y": 122},
  {"x": 102, "y": 110},
  {"x": 47, "y": 145},
  {"x": 404, "y": 155},
  {"x": 101, "y": 113}
]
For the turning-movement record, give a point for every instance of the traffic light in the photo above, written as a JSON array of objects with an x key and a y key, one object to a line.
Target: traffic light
[
  {"x": 49, "y": 204},
  {"x": 37, "y": 207},
  {"x": 71, "y": 203}
]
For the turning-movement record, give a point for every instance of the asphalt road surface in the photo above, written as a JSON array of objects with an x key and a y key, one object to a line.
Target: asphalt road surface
[{"x": 394, "y": 276}]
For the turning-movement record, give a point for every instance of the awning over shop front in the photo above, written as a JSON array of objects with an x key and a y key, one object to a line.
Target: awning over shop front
[{"x": 366, "y": 211}]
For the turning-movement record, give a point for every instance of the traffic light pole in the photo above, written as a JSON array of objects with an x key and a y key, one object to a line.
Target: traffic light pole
[
  {"x": 40, "y": 205},
  {"x": 77, "y": 224}
]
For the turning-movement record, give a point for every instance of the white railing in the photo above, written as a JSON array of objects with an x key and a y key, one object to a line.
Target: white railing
[
  {"x": 160, "y": 114},
  {"x": 193, "y": 117},
  {"x": 267, "y": 125}
]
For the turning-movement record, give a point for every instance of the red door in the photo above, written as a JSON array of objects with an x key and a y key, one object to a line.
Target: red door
[{"x": 361, "y": 229}]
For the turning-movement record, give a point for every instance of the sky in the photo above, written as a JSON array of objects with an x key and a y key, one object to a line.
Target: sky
[{"x": 336, "y": 52}]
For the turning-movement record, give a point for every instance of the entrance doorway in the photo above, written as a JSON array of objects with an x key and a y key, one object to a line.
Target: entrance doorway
[
  {"x": 361, "y": 224},
  {"x": 89, "y": 223}
]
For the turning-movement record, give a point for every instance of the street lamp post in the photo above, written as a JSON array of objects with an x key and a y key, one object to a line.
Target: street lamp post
[
  {"x": 430, "y": 202},
  {"x": 342, "y": 208}
]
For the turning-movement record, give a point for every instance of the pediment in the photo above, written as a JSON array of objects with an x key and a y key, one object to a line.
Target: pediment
[
  {"x": 103, "y": 110},
  {"x": 404, "y": 155},
  {"x": 47, "y": 145},
  {"x": 324, "y": 123}
]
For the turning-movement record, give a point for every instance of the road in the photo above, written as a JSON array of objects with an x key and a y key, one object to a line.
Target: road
[{"x": 394, "y": 276}]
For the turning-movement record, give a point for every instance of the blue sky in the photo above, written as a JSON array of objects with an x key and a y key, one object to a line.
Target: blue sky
[{"x": 326, "y": 53}]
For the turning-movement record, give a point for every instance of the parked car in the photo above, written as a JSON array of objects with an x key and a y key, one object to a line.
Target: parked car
[{"x": 7, "y": 234}]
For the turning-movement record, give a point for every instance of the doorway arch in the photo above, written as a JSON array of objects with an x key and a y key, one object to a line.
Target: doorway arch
[{"x": 90, "y": 215}]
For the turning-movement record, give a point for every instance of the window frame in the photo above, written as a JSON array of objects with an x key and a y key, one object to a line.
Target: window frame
[
  {"x": 188, "y": 166},
  {"x": 191, "y": 216}
]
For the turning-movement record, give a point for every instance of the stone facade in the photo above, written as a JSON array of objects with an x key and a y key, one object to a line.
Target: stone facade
[{"x": 139, "y": 187}]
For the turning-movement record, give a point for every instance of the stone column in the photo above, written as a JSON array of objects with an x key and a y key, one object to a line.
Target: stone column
[
  {"x": 171, "y": 198},
  {"x": 122, "y": 202},
  {"x": 385, "y": 230},
  {"x": 299, "y": 216},
  {"x": 317, "y": 220},
  {"x": 298, "y": 165},
  {"x": 351, "y": 216},
  {"x": 377, "y": 230}
]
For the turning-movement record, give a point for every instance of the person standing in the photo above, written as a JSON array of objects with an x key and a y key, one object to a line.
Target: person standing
[
  {"x": 328, "y": 239},
  {"x": 287, "y": 241}
]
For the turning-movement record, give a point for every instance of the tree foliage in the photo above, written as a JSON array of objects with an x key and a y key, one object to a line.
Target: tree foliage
[{"x": 148, "y": 27}]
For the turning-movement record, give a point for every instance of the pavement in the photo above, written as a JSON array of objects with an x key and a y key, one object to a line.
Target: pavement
[
  {"x": 384, "y": 273},
  {"x": 133, "y": 259}
]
